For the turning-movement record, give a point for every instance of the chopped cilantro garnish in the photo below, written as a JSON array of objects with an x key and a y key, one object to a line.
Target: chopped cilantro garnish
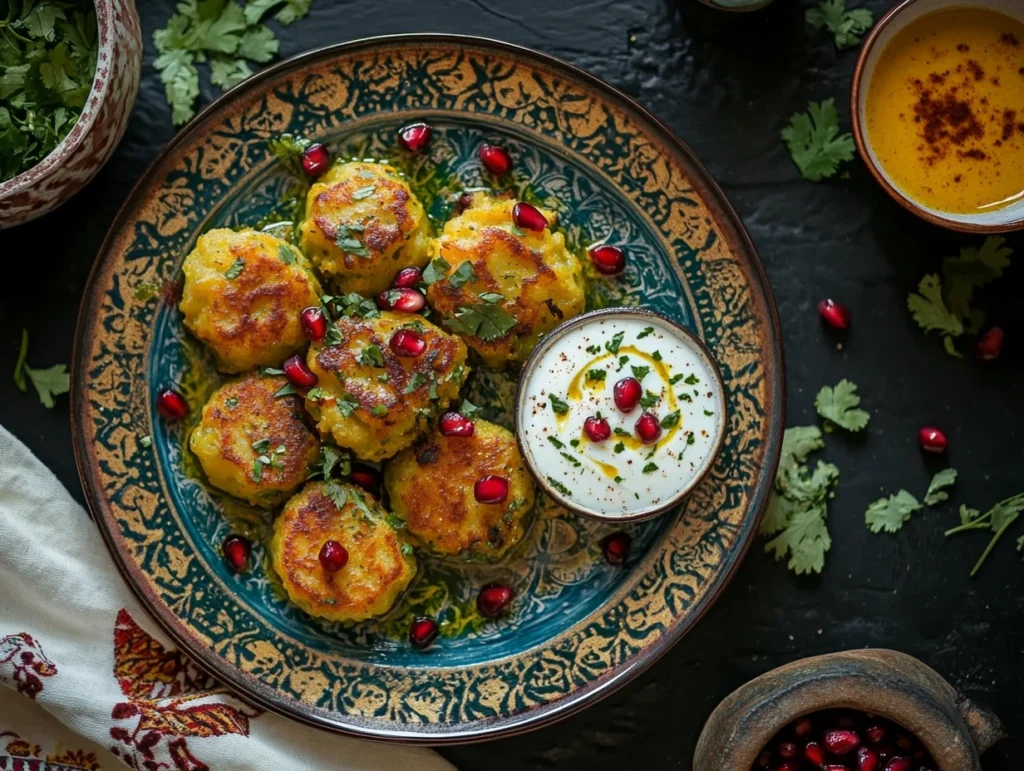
[
  {"x": 646, "y": 331},
  {"x": 640, "y": 372},
  {"x": 656, "y": 355},
  {"x": 286, "y": 254},
  {"x": 617, "y": 479},
  {"x": 846, "y": 26},
  {"x": 556, "y": 442},
  {"x": 347, "y": 405},
  {"x": 559, "y": 407},
  {"x": 650, "y": 467},
  {"x": 286, "y": 390},
  {"x": 709, "y": 413},
  {"x": 619, "y": 447},
  {"x": 231, "y": 401},
  {"x": 371, "y": 356},
  {"x": 483, "y": 321},
  {"x": 692, "y": 379},
  {"x": 468, "y": 409},
  {"x": 560, "y": 487},
  {"x": 593, "y": 349},
  {"x": 146, "y": 441},
  {"x": 675, "y": 378},
  {"x": 436, "y": 271},
  {"x": 236, "y": 269},
  {"x": 462, "y": 274},
  {"x": 597, "y": 374},
  {"x": 612, "y": 346},
  {"x": 649, "y": 400},
  {"x": 379, "y": 411},
  {"x": 492, "y": 297},
  {"x": 407, "y": 549},
  {"x": 571, "y": 459},
  {"x": 363, "y": 192},
  {"x": 839, "y": 405},
  {"x": 48, "y": 383},
  {"x": 622, "y": 363},
  {"x": 815, "y": 143},
  {"x": 621, "y": 432},
  {"x": 417, "y": 380},
  {"x": 671, "y": 420}
]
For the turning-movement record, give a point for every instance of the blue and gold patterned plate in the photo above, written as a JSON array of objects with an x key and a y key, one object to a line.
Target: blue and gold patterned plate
[{"x": 580, "y": 627}]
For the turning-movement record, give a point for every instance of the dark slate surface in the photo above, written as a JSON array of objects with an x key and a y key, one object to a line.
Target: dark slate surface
[{"x": 727, "y": 85}]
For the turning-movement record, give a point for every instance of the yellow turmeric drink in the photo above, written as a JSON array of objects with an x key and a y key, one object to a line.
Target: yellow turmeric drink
[{"x": 945, "y": 110}]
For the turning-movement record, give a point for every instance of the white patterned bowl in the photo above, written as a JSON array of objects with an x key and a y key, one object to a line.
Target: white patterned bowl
[{"x": 91, "y": 142}]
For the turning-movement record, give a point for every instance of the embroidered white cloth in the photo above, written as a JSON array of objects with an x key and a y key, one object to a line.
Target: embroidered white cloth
[{"x": 91, "y": 683}]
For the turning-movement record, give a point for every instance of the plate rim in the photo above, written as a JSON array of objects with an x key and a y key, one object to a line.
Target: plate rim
[{"x": 491, "y": 728}]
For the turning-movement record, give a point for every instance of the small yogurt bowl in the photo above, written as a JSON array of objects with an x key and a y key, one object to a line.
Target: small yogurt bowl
[
  {"x": 1010, "y": 218},
  {"x": 614, "y": 451}
]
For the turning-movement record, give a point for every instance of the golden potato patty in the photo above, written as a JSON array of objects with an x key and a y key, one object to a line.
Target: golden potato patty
[
  {"x": 254, "y": 445},
  {"x": 503, "y": 287},
  {"x": 431, "y": 487},
  {"x": 363, "y": 224},
  {"x": 373, "y": 401},
  {"x": 243, "y": 295},
  {"x": 378, "y": 568}
]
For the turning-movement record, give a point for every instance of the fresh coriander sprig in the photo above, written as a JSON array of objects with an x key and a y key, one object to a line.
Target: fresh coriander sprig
[
  {"x": 48, "y": 383},
  {"x": 997, "y": 519},
  {"x": 815, "y": 143},
  {"x": 839, "y": 406},
  {"x": 846, "y": 26}
]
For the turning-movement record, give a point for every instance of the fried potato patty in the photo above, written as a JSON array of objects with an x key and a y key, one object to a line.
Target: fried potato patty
[
  {"x": 363, "y": 224},
  {"x": 373, "y": 401},
  {"x": 431, "y": 487},
  {"x": 254, "y": 445},
  {"x": 378, "y": 569},
  {"x": 243, "y": 295},
  {"x": 540, "y": 282}
]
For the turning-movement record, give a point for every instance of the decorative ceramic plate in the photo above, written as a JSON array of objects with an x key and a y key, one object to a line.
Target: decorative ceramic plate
[{"x": 581, "y": 627}]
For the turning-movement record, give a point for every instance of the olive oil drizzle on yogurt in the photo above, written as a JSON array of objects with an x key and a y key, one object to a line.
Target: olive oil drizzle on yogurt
[{"x": 621, "y": 474}]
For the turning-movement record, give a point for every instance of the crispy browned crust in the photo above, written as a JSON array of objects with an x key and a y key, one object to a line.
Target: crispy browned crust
[
  {"x": 377, "y": 571},
  {"x": 431, "y": 487},
  {"x": 380, "y": 235}
]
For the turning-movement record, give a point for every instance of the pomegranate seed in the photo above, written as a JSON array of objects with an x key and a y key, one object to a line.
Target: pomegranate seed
[
  {"x": 836, "y": 315},
  {"x": 814, "y": 753},
  {"x": 171, "y": 405},
  {"x": 648, "y": 428},
  {"x": 422, "y": 632},
  {"x": 366, "y": 477},
  {"x": 627, "y": 393},
  {"x": 454, "y": 424},
  {"x": 875, "y": 733},
  {"x": 401, "y": 300},
  {"x": 414, "y": 137},
  {"x": 787, "y": 767},
  {"x": 932, "y": 440},
  {"x": 898, "y": 763},
  {"x": 315, "y": 160},
  {"x": 333, "y": 556},
  {"x": 834, "y": 767},
  {"x": 788, "y": 750},
  {"x": 616, "y": 547},
  {"x": 608, "y": 259},
  {"x": 803, "y": 727},
  {"x": 298, "y": 374},
  {"x": 867, "y": 759},
  {"x": 491, "y": 489},
  {"x": 463, "y": 202},
  {"x": 493, "y": 599},
  {"x": 841, "y": 742},
  {"x": 407, "y": 342},
  {"x": 314, "y": 324},
  {"x": 496, "y": 159},
  {"x": 596, "y": 428},
  {"x": 236, "y": 551},
  {"x": 990, "y": 344},
  {"x": 407, "y": 278},
  {"x": 528, "y": 217}
]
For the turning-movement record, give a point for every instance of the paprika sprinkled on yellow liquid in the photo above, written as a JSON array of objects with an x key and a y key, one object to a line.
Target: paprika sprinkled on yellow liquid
[{"x": 945, "y": 110}]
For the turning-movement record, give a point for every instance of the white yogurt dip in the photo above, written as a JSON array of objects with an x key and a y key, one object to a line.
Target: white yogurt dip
[{"x": 572, "y": 377}]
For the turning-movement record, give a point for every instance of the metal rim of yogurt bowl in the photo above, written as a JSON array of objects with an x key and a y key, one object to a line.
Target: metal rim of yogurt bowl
[{"x": 635, "y": 313}]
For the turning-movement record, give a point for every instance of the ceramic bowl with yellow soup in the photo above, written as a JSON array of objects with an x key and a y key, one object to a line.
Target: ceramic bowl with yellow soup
[{"x": 938, "y": 106}]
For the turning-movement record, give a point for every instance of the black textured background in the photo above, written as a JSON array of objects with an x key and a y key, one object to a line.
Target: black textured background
[{"x": 727, "y": 84}]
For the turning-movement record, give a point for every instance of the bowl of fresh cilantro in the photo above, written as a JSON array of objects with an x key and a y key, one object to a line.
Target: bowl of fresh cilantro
[{"x": 69, "y": 74}]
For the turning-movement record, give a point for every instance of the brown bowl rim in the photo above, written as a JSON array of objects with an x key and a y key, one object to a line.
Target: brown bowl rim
[{"x": 860, "y": 139}]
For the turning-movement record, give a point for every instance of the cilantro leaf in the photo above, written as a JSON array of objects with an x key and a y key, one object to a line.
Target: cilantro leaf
[
  {"x": 671, "y": 420},
  {"x": 462, "y": 274},
  {"x": 973, "y": 269},
  {"x": 930, "y": 311},
  {"x": 226, "y": 72},
  {"x": 942, "y": 479},
  {"x": 612, "y": 346},
  {"x": 484, "y": 321},
  {"x": 846, "y": 26},
  {"x": 815, "y": 143},
  {"x": 236, "y": 269},
  {"x": 557, "y": 405},
  {"x": 839, "y": 405},
  {"x": 998, "y": 519},
  {"x": 805, "y": 539},
  {"x": 371, "y": 356},
  {"x": 435, "y": 271},
  {"x": 889, "y": 514},
  {"x": 48, "y": 383}
]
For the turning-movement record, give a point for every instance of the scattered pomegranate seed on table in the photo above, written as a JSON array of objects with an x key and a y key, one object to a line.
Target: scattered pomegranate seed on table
[
  {"x": 648, "y": 428},
  {"x": 314, "y": 324},
  {"x": 315, "y": 160},
  {"x": 455, "y": 424},
  {"x": 236, "y": 552},
  {"x": 171, "y": 405},
  {"x": 366, "y": 478},
  {"x": 528, "y": 217},
  {"x": 843, "y": 740},
  {"x": 298, "y": 373},
  {"x": 414, "y": 137},
  {"x": 492, "y": 600},
  {"x": 496, "y": 159},
  {"x": 932, "y": 440},
  {"x": 596, "y": 428},
  {"x": 990, "y": 344},
  {"x": 401, "y": 300},
  {"x": 615, "y": 547},
  {"x": 422, "y": 632},
  {"x": 608, "y": 259},
  {"x": 407, "y": 278},
  {"x": 333, "y": 556},
  {"x": 491, "y": 489},
  {"x": 627, "y": 393},
  {"x": 408, "y": 342},
  {"x": 836, "y": 315}
]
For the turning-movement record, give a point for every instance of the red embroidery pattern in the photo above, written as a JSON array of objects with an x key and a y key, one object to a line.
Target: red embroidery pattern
[
  {"x": 22, "y": 656},
  {"x": 25, "y": 756},
  {"x": 164, "y": 691}
]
